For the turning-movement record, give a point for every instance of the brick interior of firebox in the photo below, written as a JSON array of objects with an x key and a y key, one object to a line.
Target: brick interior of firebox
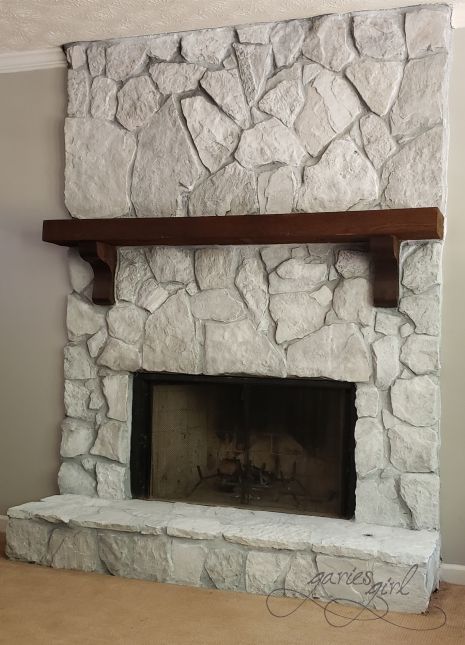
[{"x": 259, "y": 446}]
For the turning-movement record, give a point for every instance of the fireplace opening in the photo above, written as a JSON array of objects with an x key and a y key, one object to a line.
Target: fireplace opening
[{"x": 261, "y": 443}]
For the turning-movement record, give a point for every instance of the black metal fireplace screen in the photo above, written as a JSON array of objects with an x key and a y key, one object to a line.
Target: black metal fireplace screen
[{"x": 274, "y": 444}]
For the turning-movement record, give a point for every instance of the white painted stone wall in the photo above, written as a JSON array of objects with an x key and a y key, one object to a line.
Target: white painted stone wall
[{"x": 334, "y": 113}]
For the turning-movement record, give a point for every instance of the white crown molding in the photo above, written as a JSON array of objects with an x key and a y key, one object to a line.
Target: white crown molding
[
  {"x": 25, "y": 61},
  {"x": 453, "y": 573}
]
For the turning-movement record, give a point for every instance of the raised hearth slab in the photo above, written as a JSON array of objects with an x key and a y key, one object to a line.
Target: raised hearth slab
[{"x": 229, "y": 549}]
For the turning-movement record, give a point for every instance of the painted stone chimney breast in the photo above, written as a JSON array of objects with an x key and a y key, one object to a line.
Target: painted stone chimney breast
[{"x": 333, "y": 113}]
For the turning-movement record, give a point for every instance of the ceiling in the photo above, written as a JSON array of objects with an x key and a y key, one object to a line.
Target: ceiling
[{"x": 35, "y": 25}]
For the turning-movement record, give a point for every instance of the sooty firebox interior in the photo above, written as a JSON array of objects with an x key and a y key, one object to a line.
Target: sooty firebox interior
[{"x": 262, "y": 443}]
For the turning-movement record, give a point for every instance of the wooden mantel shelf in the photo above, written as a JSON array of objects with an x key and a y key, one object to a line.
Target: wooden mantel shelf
[{"x": 382, "y": 230}]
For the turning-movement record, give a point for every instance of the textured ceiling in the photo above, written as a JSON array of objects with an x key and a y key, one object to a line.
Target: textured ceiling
[{"x": 35, "y": 24}]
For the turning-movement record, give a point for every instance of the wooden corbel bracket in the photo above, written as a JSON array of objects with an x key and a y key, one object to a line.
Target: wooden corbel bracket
[
  {"x": 103, "y": 259},
  {"x": 381, "y": 231},
  {"x": 385, "y": 258}
]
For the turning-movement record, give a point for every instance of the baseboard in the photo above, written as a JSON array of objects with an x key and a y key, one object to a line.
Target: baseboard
[
  {"x": 453, "y": 573},
  {"x": 3, "y": 521}
]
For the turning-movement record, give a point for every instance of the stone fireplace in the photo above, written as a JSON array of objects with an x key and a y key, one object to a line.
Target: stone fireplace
[{"x": 236, "y": 402}]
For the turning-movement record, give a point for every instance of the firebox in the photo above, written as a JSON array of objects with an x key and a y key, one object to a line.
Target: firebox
[{"x": 264, "y": 443}]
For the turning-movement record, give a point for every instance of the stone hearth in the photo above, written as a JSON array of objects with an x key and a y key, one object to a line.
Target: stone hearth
[
  {"x": 334, "y": 113},
  {"x": 230, "y": 549}
]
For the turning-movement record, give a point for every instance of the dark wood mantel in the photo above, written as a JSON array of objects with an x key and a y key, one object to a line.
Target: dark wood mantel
[{"x": 382, "y": 230}]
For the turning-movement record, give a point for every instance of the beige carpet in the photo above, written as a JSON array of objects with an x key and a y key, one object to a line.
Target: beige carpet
[{"x": 49, "y": 606}]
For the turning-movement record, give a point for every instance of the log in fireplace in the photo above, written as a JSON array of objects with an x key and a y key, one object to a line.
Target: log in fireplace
[{"x": 264, "y": 443}]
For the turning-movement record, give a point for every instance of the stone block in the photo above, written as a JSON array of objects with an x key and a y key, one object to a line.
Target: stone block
[
  {"x": 377, "y": 82},
  {"x": 286, "y": 39},
  {"x": 174, "y": 78},
  {"x": 414, "y": 176},
  {"x": 386, "y": 361},
  {"x": 380, "y": 36},
  {"x": 369, "y": 446},
  {"x": 265, "y": 572},
  {"x": 214, "y": 134},
  {"x": 367, "y": 401},
  {"x": 74, "y": 480},
  {"x": 83, "y": 317},
  {"x": 116, "y": 391},
  {"x": 424, "y": 310},
  {"x": 77, "y": 363},
  {"x": 300, "y": 577},
  {"x": 421, "y": 354},
  {"x": 112, "y": 442},
  {"x": 341, "y": 180},
  {"x": 207, "y": 46},
  {"x": 296, "y": 315},
  {"x": 238, "y": 348},
  {"x": 78, "y": 93},
  {"x": 225, "y": 88},
  {"x": 77, "y": 437},
  {"x": 427, "y": 31},
  {"x": 230, "y": 191},
  {"x": 120, "y": 356},
  {"x": 165, "y": 138},
  {"x": 28, "y": 540},
  {"x": 103, "y": 98},
  {"x": 269, "y": 142},
  {"x": 422, "y": 267},
  {"x": 125, "y": 58},
  {"x": 416, "y": 400},
  {"x": 98, "y": 156},
  {"x": 164, "y": 47},
  {"x": 96, "y": 58},
  {"x": 377, "y": 140},
  {"x": 170, "y": 342},
  {"x": 225, "y": 568},
  {"x": 277, "y": 190},
  {"x": 353, "y": 264},
  {"x": 252, "y": 284},
  {"x": 423, "y": 77},
  {"x": 216, "y": 304},
  {"x": 146, "y": 557},
  {"x": 126, "y": 322},
  {"x": 421, "y": 494},
  {"x": 254, "y": 63},
  {"x": 256, "y": 33},
  {"x": 75, "y": 549},
  {"x": 215, "y": 268},
  {"x": 138, "y": 100},
  {"x": 329, "y": 42},
  {"x": 414, "y": 449},
  {"x": 284, "y": 101},
  {"x": 335, "y": 351},
  {"x": 77, "y": 400},
  {"x": 331, "y": 104},
  {"x": 297, "y": 275},
  {"x": 198, "y": 529},
  {"x": 188, "y": 563},
  {"x": 378, "y": 503},
  {"x": 112, "y": 480}
]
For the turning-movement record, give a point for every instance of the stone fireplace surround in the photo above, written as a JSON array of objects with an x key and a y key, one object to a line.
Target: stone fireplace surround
[{"x": 283, "y": 310}]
